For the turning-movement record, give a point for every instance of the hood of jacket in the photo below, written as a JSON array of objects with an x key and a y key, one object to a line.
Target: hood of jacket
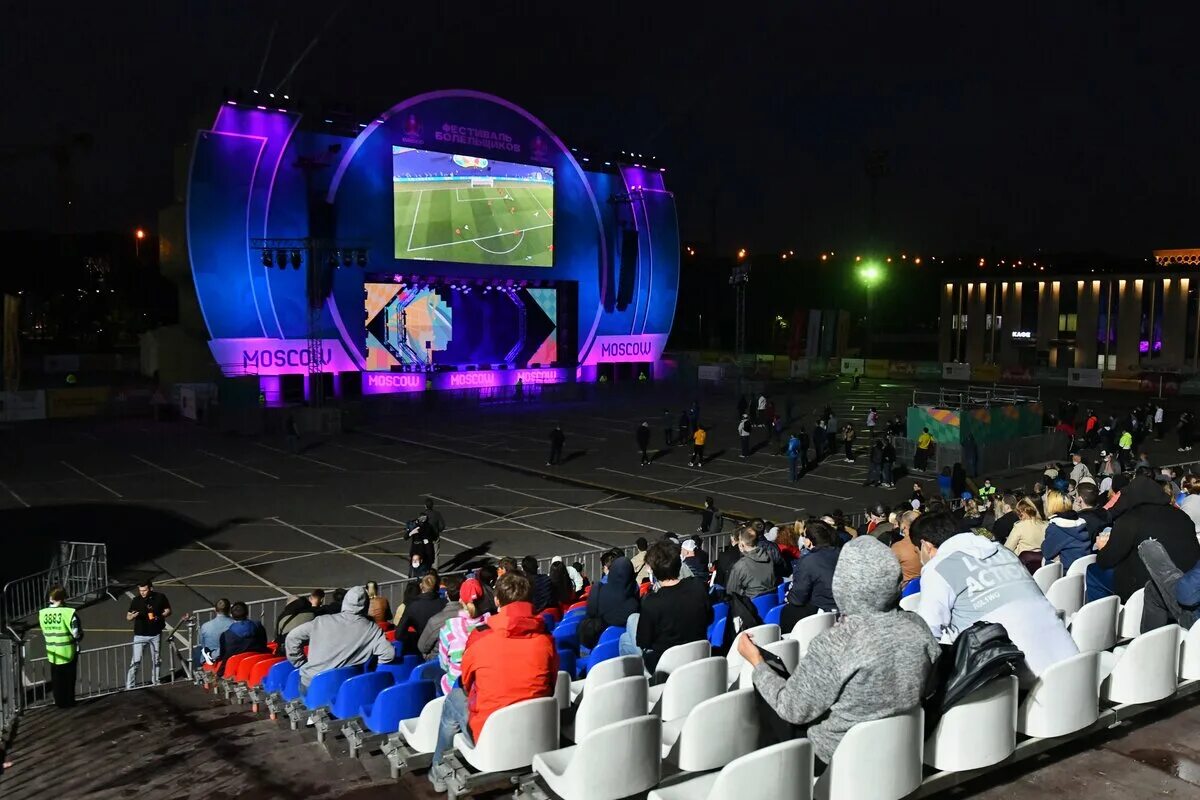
[
  {"x": 516, "y": 621},
  {"x": 758, "y": 554},
  {"x": 620, "y": 575},
  {"x": 1141, "y": 491},
  {"x": 867, "y": 577},
  {"x": 355, "y": 601},
  {"x": 970, "y": 543}
]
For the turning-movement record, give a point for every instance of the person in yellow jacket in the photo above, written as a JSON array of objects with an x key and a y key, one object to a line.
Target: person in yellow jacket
[
  {"x": 698, "y": 440},
  {"x": 62, "y": 631},
  {"x": 924, "y": 445}
]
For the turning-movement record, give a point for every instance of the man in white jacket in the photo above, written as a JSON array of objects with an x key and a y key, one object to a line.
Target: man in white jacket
[{"x": 968, "y": 578}]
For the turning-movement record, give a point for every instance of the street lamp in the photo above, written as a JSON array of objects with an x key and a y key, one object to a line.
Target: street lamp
[
  {"x": 870, "y": 274},
  {"x": 138, "y": 236}
]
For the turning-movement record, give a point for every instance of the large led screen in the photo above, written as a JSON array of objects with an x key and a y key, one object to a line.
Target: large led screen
[
  {"x": 456, "y": 324},
  {"x": 472, "y": 210}
]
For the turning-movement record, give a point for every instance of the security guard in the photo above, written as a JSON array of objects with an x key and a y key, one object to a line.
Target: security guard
[{"x": 62, "y": 632}]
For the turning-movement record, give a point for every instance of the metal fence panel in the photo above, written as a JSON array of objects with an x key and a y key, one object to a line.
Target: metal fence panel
[{"x": 103, "y": 670}]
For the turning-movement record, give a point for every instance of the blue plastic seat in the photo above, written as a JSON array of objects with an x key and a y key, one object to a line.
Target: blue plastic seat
[
  {"x": 611, "y": 634},
  {"x": 277, "y": 677},
  {"x": 549, "y": 621},
  {"x": 716, "y": 632},
  {"x": 402, "y": 668},
  {"x": 429, "y": 671},
  {"x": 575, "y": 614},
  {"x": 720, "y": 610},
  {"x": 602, "y": 652},
  {"x": 399, "y": 648},
  {"x": 396, "y": 703},
  {"x": 291, "y": 685},
  {"x": 782, "y": 592},
  {"x": 567, "y": 659},
  {"x": 764, "y": 603},
  {"x": 773, "y": 616},
  {"x": 323, "y": 688},
  {"x": 359, "y": 691},
  {"x": 566, "y": 636}
]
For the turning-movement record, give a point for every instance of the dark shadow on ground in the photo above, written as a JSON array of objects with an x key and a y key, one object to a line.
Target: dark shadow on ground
[
  {"x": 467, "y": 559},
  {"x": 569, "y": 457},
  {"x": 660, "y": 453}
]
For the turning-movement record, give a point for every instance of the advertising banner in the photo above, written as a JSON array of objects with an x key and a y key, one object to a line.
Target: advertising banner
[
  {"x": 711, "y": 372},
  {"x": 640, "y": 347},
  {"x": 19, "y": 406},
  {"x": 989, "y": 373},
  {"x": 929, "y": 370},
  {"x": 1088, "y": 378},
  {"x": 1016, "y": 375},
  {"x": 877, "y": 367},
  {"x": 852, "y": 366},
  {"x": 902, "y": 369},
  {"x": 278, "y": 356},
  {"x": 88, "y": 401},
  {"x": 952, "y": 371}
]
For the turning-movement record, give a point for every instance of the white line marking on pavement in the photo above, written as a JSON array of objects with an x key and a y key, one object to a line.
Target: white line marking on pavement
[
  {"x": 587, "y": 544},
  {"x": 235, "y": 564},
  {"x": 692, "y": 488},
  {"x": 18, "y": 497},
  {"x": 724, "y": 476},
  {"x": 239, "y": 464},
  {"x": 297, "y": 455},
  {"x": 172, "y": 473},
  {"x": 368, "y": 453},
  {"x": 463, "y": 545},
  {"x": 85, "y": 476},
  {"x": 584, "y": 508},
  {"x": 340, "y": 549}
]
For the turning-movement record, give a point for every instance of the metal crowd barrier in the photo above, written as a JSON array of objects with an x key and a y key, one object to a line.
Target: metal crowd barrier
[{"x": 81, "y": 568}]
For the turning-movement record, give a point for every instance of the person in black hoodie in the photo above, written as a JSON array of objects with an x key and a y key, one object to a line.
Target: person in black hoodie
[
  {"x": 1145, "y": 512},
  {"x": 418, "y": 613},
  {"x": 812, "y": 576},
  {"x": 610, "y": 603},
  {"x": 1003, "y": 525}
]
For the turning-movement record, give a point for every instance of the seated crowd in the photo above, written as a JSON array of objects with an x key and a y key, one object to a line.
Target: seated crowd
[{"x": 971, "y": 561}]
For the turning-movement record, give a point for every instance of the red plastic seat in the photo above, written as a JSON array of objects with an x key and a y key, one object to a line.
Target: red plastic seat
[
  {"x": 232, "y": 663},
  {"x": 243, "y": 670},
  {"x": 644, "y": 589},
  {"x": 260, "y": 670},
  {"x": 273, "y": 647},
  {"x": 580, "y": 604},
  {"x": 390, "y": 635}
]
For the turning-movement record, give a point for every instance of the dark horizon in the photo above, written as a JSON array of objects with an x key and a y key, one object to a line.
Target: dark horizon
[{"x": 1035, "y": 130}]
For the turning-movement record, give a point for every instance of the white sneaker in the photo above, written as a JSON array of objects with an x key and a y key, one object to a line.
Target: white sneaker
[{"x": 208, "y": 656}]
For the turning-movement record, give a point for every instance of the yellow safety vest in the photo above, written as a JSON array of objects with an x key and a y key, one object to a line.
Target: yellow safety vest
[{"x": 56, "y": 630}]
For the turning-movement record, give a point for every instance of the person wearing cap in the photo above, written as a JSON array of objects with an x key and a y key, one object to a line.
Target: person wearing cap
[
  {"x": 1079, "y": 470},
  {"x": 428, "y": 641},
  {"x": 452, "y": 636},
  {"x": 687, "y": 551}
]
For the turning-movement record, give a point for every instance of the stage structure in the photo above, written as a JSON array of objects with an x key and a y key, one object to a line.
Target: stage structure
[{"x": 454, "y": 242}]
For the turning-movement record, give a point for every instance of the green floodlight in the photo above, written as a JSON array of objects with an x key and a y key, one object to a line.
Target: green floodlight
[{"x": 870, "y": 274}]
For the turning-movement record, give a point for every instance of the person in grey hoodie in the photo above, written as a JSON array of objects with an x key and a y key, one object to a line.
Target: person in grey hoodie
[
  {"x": 754, "y": 573},
  {"x": 338, "y": 640},
  {"x": 875, "y": 662}
]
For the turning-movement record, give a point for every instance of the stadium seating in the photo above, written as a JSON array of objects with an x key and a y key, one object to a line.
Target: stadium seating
[
  {"x": 549, "y": 620},
  {"x": 586, "y": 771},
  {"x": 428, "y": 671},
  {"x": 1064, "y": 699},
  {"x": 679, "y": 655},
  {"x": 420, "y": 732},
  {"x": 567, "y": 660},
  {"x": 688, "y": 686},
  {"x": 720, "y": 610},
  {"x": 781, "y": 592},
  {"x": 773, "y": 616},
  {"x": 610, "y": 670},
  {"x": 762, "y": 634},
  {"x": 893, "y": 749},
  {"x": 1094, "y": 626},
  {"x": 614, "y": 701},
  {"x": 1189, "y": 654},
  {"x": 396, "y": 703},
  {"x": 1143, "y": 671},
  {"x": 277, "y": 677},
  {"x": 566, "y": 635},
  {"x": 978, "y": 731},
  {"x": 603, "y": 652},
  {"x": 783, "y": 770},
  {"x": 242, "y": 673},
  {"x": 512, "y": 736},
  {"x": 689, "y": 743},
  {"x": 291, "y": 686},
  {"x": 1067, "y": 595},
  {"x": 716, "y": 632},
  {"x": 259, "y": 671},
  {"x": 764, "y": 603},
  {"x": 323, "y": 688},
  {"x": 1129, "y": 625},
  {"x": 786, "y": 649},
  {"x": 1047, "y": 575},
  {"x": 401, "y": 669},
  {"x": 910, "y": 602},
  {"x": 358, "y": 691},
  {"x": 1079, "y": 566},
  {"x": 562, "y": 690},
  {"x": 810, "y": 628}
]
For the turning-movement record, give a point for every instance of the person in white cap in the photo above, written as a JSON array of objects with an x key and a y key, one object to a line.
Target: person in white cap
[{"x": 689, "y": 550}]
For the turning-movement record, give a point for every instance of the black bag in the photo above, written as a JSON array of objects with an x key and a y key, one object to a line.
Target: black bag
[
  {"x": 590, "y": 630},
  {"x": 742, "y": 615},
  {"x": 979, "y": 654}
]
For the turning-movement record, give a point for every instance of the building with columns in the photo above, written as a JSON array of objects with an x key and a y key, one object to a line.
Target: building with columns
[{"x": 1119, "y": 323}]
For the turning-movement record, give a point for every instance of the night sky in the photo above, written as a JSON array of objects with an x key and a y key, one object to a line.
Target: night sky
[{"x": 1036, "y": 128}]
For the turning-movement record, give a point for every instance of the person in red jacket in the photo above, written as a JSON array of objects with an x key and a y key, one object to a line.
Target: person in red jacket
[{"x": 509, "y": 659}]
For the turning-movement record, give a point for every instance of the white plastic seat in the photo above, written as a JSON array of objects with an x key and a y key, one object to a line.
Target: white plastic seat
[
  {"x": 763, "y": 635},
  {"x": 1079, "y": 566},
  {"x": 562, "y": 690},
  {"x": 910, "y": 602},
  {"x": 810, "y": 628},
  {"x": 512, "y": 736},
  {"x": 687, "y": 687},
  {"x": 1066, "y": 595},
  {"x": 1189, "y": 654},
  {"x": 979, "y": 731},
  {"x": 1063, "y": 699},
  {"x": 420, "y": 733},
  {"x": 607, "y": 671},
  {"x": 1129, "y": 626},
  {"x": 1047, "y": 575},
  {"x": 675, "y": 657},
  {"x": 1144, "y": 671},
  {"x": 613, "y": 702},
  {"x": 786, "y": 649},
  {"x": 1094, "y": 626},
  {"x": 877, "y": 760},
  {"x": 614, "y": 761},
  {"x": 782, "y": 770},
  {"x": 716, "y": 732}
]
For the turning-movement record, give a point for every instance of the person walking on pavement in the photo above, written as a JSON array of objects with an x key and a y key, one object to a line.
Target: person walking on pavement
[
  {"x": 924, "y": 446},
  {"x": 818, "y": 441},
  {"x": 148, "y": 612},
  {"x": 685, "y": 428},
  {"x": 698, "y": 439},
  {"x": 761, "y": 408},
  {"x": 804, "y": 442},
  {"x": 848, "y": 439},
  {"x": 889, "y": 463},
  {"x": 872, "y": 421},
  {"x": 1125, "y": 456},
  {"x": 793, "y": 457},
  {"x": 668, "y": 429},
  {"x": 557, "y": 440},
  {"x": 744, "y": 435},
  {"x": 62, "y": 633},
  {"x": 643, "y": 441}
]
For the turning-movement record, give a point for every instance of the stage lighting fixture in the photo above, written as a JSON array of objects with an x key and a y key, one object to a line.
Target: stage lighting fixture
[
  {"x": 281, "y": 258},
  {"x": 295, "y": 259},
  {"x": 266, "y": 259},
  {"x": 362, "y": 258},
  {"x": 347, "y": 258}
]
